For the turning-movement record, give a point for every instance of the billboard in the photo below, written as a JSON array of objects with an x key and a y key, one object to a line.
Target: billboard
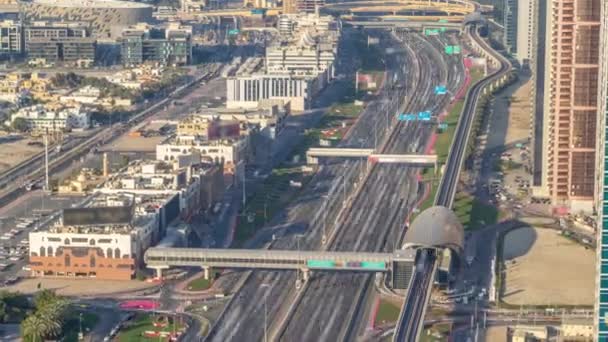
[{"x": 223, "y": 129}]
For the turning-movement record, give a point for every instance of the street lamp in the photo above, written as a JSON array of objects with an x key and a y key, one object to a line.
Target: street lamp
[
  {"x": 325, "y": 208},
  {"x": 267, "y": 286}
]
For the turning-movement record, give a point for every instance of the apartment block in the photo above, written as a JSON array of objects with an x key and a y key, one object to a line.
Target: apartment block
[
  {"x": 601, "y": 194},
  {"x": 510, "y": 25},
  {"x": 526, "y": 20},
  {"x": 11, "y": 37},
  {"x": 571, "y": 80},
  {"x": 167, "y": 45}
]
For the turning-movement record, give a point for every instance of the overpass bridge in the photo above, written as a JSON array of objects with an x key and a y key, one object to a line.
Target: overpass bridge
[
  {"x": 397, "y": 22},
  {"x": 399, "y": 264},
  {"x": 313, "y": 155},
  {"x": 445, "y": 8}
]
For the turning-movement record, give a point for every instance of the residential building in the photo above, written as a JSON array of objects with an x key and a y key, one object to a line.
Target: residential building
[
  {"x": 289, "y": 6},
  {"x": 309, "y": 6},
  {"x": 537, "y": 67},
  {"x": 44, "y": 119},
  {"x": 268, "y": 121},
  {"x": 166, "y": 45},
  {"x": 11, "y": 37},
  {"x": 510, "y": 25},
  {"x": 570, "y": 106},
  {"x": 601, "y": 193},
  {"x": 209, "y": 128},
  {"x": 198, "y": 185},
  {"x": 227, "y": 152},
  {"x": 106, "y": 240},
  {"x": 526, "y": 20}
]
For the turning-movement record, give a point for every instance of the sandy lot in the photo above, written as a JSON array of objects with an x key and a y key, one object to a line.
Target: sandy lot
[
  {"x": 496, "y": 334},
  {"x": 519, "y": 114},
  {"x": 13, "y": 152},
  {"x": 545, "y": 268},
  {"x": 80, "y": 287},
  {"x": 128, "y": 143}
]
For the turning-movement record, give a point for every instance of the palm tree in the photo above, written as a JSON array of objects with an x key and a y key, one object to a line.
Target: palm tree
[{"x": 34, "y": 328}]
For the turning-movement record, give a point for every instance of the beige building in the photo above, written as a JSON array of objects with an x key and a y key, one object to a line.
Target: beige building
[{"x": 571, "y": 79}]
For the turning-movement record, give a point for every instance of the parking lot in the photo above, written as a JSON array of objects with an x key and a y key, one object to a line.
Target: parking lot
[{"x": 34, "y": 211}]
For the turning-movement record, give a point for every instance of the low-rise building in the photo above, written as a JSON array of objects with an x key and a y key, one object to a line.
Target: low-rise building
[
  {"x": 46, "y": 118},
  {"x": 231, "y": 153},
  {"x": 166, "y": 45},
  {"x": 15, "y": 85},
  {"x": 208, "y": 127},
  {"x": 11, "y": 37},
  {"x": 106, "y": 239},
  {"x": 198, "y": 185},
  {"x": 577, "y": 329}
]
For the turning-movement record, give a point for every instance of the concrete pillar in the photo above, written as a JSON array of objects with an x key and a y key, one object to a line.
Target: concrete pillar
[
  {"x": 311, "y": 160},
  {"x": 159, "y": 272},
  {"x": 206, "y": 272},
  {"x": 305, "y": 274}
]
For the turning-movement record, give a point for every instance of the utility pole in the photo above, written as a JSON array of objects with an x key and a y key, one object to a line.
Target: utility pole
[
  {"x": 46, "y": 161},
  {"x": 244, "y": 190}
]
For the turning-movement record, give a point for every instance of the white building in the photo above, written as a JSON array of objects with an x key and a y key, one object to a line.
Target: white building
[
  {"x": 40, "y": 118},
  {"x": 85, "y": 95},
  {"x": 526, "y": 21},
  {"x": 229, "y": 152}
]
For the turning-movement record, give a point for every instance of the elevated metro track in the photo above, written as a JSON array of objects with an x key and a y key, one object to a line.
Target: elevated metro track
[{"x": 412, "y": 313}]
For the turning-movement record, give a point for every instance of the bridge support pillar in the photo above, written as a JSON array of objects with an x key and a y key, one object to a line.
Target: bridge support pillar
[
  {"x": 159, "y": 271},
  {"x": 312, "y": 160},
  {"x": 206, "y": 272}
]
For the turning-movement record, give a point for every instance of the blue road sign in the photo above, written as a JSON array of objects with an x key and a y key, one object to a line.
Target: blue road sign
[
  {"x": 407, "y": 117},
  {"x": 424, "y": 116},
  {"x": 441, "y": 90}
]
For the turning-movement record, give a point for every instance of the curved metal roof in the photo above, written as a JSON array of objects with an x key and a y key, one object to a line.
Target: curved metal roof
[{"x": 436, "y": 227}]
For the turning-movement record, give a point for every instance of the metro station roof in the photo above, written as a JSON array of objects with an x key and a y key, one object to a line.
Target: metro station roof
[{"x": 436, "y": 227}]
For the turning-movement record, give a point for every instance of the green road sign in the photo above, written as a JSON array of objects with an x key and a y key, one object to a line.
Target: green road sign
[
  {"x": 456, "y": 49},
  {"x": 431, "y": 32},
  {"x": 320, "y": 263},
  {"x": 449, "y": 50},
  {"x": 442, "y": 29},
  {"x": 376, "y": 265}
]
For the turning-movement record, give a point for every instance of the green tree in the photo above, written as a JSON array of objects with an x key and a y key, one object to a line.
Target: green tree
[
  {"x": 34, "y": 328},
  {"x": 44, "y": 298},
  {"x": 20, "y": 124}
]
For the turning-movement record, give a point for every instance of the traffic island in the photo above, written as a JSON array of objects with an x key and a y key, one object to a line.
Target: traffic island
[{"x": 152, "y": 327}]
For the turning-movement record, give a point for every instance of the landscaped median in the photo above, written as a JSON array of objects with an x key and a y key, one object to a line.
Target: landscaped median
[
  {"x": 152, "y": 327},
  {"x": 471, "y": 212}
]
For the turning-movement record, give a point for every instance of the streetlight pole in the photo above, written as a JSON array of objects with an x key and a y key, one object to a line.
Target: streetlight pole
[{"x": 267, "y": 286}]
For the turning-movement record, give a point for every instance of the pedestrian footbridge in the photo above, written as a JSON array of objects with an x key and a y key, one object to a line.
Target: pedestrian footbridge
[
  {"x": 313, "y": 155},
  {"x": 305, "y": 261}
]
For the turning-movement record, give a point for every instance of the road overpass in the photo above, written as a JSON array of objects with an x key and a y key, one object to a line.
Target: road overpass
[
  {"x": 159, "y": 258},
  {"x": 398, "y": 22},
  {"x": 415, "y": 8},
  {"x": 313, "y": 155}
]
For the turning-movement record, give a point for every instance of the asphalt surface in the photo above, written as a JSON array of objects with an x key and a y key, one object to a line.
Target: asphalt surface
[
  {"x": 412, "y": 315},
  {"x": 330, "y": 301}
]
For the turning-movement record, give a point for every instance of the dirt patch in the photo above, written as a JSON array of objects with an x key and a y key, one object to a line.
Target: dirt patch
[
  {"x": 544, "y": 268},
  {"x": 128, "y": 143},
  {"x": 519, "y": 114},
  {"x": 15, "y": 151},
  {"x": 496, "y": 334},
  {"x": 79, "y": 287}
]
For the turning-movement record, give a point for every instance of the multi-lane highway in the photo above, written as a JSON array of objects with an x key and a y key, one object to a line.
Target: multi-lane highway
[
  {"x": 412, "y": 313},
  {"x": 328, "y": 303}
]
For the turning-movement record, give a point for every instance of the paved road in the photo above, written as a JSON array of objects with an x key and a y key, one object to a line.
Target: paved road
[
  {"x": 244, "y": 318},
  {"x": 412, "y": 314},
  {"x": 333, "y": 302}
]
